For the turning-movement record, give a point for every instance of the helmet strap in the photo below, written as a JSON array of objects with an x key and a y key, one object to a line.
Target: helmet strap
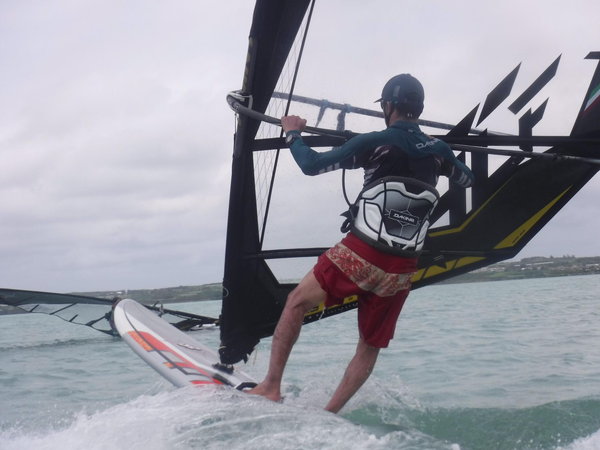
[{"x": 387, "y": 112}]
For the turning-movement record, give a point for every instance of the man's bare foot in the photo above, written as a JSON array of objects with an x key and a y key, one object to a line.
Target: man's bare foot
[{"x": 272, "y": 394}]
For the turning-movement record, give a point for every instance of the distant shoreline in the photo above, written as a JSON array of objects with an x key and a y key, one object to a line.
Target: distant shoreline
[
  {"x": 526, "y": 268},
  {"x": 534, "y": 267}
]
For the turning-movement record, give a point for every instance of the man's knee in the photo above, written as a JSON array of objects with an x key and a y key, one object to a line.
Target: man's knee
[{"x": 367, "y": 349}]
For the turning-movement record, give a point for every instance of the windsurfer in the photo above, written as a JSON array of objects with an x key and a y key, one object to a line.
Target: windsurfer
[{"x": 376, "y": 268}]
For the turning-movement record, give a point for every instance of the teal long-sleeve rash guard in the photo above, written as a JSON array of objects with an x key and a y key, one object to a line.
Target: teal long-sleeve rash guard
[{"x": 402, "y": 149}]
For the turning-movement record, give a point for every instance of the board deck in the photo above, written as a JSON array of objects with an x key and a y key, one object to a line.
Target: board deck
[{"x": 174, "y": 354}]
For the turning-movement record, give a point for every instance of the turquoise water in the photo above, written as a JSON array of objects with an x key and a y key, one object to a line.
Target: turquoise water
[{"x": 502, "y": 365}]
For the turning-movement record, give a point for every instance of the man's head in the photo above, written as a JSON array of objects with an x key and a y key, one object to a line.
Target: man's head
[{"x": 405, "y": 94}]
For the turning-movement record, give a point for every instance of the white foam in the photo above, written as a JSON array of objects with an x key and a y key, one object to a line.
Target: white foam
[
  {"x": 591, "y": 442},
  {"x": 210, "y": 419}
]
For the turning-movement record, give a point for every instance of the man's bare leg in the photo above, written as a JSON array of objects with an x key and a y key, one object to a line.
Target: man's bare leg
[
  {"x": 357, "y": 372},
  {"x": 302, "y": 299}
]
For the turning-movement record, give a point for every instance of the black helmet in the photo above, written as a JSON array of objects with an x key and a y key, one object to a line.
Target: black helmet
[{"x": 405, "y": 92}]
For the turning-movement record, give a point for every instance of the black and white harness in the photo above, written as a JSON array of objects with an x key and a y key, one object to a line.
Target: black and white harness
[{"x": 392, "y": 215}]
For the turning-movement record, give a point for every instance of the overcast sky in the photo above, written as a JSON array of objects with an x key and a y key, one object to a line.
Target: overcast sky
[{"x": 116, "y": 140}]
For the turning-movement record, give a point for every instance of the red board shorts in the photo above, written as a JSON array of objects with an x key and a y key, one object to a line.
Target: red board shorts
[{"x": 381, "y": 281}]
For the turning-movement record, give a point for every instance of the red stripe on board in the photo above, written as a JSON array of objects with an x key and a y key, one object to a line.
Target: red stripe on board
[
  {"x": 149, "y": 343},
  {"x": 140, "y": 340}
]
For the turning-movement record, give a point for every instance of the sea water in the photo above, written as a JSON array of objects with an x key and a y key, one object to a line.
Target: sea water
[{"x": 497, "y": 365}]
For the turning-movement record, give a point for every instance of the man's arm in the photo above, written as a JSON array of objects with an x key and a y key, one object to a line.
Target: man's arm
[
  {"x": 458, "y": 173},
  {"x": 314, "y": 163}
]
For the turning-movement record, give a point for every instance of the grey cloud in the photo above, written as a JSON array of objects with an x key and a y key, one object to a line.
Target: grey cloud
[{"x": 115, "y": 139}]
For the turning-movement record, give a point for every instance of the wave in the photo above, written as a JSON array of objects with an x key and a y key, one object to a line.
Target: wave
[
  {"x": 591, "y": 442},
  {"x": 211, "y": 419},
  {"x": 223, "y": 418},
  {"x": 571, "y": 425}
]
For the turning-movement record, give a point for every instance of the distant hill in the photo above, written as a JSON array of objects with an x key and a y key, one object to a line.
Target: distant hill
[
  {"x": 177, "y": 294},
  {"x": 534, "y": 267}
]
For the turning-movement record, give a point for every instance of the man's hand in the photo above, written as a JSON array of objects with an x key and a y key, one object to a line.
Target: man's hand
[{"x": 293, "y": 123}]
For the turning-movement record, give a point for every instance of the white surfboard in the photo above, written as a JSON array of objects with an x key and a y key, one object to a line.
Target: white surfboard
[{"x": 174, "y": 354}]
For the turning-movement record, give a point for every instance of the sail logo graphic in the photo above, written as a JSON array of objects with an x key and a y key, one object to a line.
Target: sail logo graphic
[
  {"x": 403, "y": 217},
  {"x": 593, "y": 100}
]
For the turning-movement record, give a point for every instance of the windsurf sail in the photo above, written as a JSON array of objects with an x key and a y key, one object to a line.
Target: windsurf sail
[
  {"x": 93, "y": 312},
  {"x": 280, "y": 221}
]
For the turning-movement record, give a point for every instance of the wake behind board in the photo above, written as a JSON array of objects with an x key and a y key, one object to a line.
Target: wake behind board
[{"x": 175, "y": 355}]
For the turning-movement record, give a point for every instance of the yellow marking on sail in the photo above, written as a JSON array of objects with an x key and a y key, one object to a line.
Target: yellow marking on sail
[
  {"x": 434, "y": 270},
  {"x": 316, "y": 310},
  {"x": 515, "y": 236},
  {"x": 468, "y": 221},
  {"x": 468, "y": 260},
  {"x": 351, "y": 299},
  {"x": 417, "y": 275}
]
